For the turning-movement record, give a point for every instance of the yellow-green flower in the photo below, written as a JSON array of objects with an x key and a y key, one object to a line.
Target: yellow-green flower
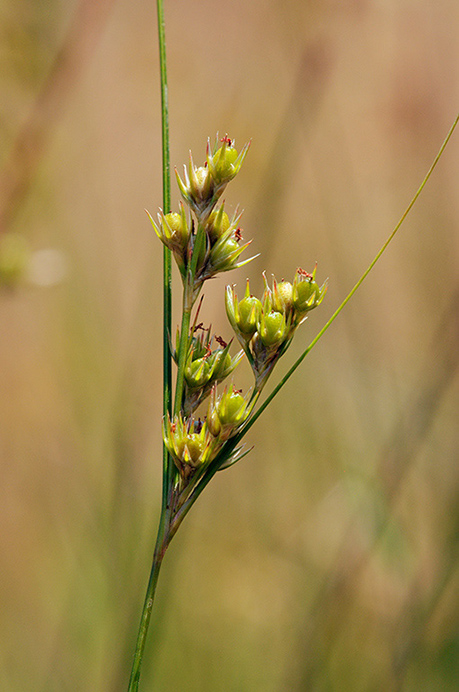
[{"x": 227, "y": 412}]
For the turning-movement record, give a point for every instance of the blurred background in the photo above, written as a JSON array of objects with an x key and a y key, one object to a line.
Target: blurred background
[{"x": 327, "y": 559}]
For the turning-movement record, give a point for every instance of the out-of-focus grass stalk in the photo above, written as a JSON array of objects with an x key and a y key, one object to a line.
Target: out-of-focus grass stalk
[{"x": 168, "y": 466}]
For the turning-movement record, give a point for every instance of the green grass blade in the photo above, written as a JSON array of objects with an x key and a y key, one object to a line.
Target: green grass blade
[{"x": 298, "y": 362}]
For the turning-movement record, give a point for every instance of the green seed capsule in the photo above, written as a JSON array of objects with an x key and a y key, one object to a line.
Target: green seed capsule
[
  {"x": 283, "y": 296},
  {"x": 305, "y": 295},
  {"x": 191, "y": 449},
  {"x": 224, "y": 161},
  {"x": 231, "y": 409},
  {"x": 175, "y": 226},
  {"x": 272, "y": 328},
  {"x": 217, "y": 224},
  {"x": 224, "y": 255},
  {"x": 249, "y": 315},
  {"x": 198, "y": 373}
]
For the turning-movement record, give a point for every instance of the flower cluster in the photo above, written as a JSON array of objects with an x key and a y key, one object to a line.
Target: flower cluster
[
  {"x": 266, "y": 327},
  {"x": 205, "y": 366},
  {"x": 205, "y": 241},
  {"x": 189, "y": 443},
  {"x": 203, "y": 186},
  {"x": 193, "y": 443}
]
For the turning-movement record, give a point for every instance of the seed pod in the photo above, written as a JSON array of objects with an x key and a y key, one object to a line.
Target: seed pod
[
  {"x": 282, "y": 296},
  {"x": 226, "y": 413},
  {"x": 224, "y": 163},
  {"x": 217, "y": 224},
  {"x": 306, "y": 293},
  {"x": 272, "y": 328}
]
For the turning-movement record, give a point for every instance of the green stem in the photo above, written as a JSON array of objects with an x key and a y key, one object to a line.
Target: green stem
[
  {"x": 183, "y": 348},
  {"x": 298, "y": 362},
  {"x": 169, "y": 472},
  {"x": 234, "y": 441},
  {"x": 168, "y": 467},
  {"x": 162, "y": 541},
  {"x": 189, "y": 298},
  {"x": 209, "y": 473}
]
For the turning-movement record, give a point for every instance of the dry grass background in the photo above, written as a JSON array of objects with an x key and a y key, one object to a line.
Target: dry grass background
[{"x": 326, "y": 560}]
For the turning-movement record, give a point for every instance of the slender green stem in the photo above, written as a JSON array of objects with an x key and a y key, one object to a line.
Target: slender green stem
[
  {"x": 183, "y": 348},
  {"x": 298, "y": 362},
  {"x": 234, "y": 441},
  {"x": 162, "y": 541},
  {"x": 189, "y": 298},
  {"x": 163, "y": 537},
  {"x": 210, "y": 472},
  {"x": 168, "y": 468}
]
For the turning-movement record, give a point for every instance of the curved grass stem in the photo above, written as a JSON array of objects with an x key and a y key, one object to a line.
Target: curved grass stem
[{"x": 298, "y": 362}]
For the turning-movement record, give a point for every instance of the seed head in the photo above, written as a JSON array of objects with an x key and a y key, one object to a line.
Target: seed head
[
  {"x": 189, "y": 443},
  {"x": 225, "y": 162},
  {"x": 226, "y": 413}
]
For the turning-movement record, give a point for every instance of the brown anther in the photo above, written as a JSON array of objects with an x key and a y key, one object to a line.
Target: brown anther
[
  {"x": 227, "y": 140},
  {"x": 303, "y": 273},
  {"x": 238, "y": 234},
  {"x": 221, "y": 341}
]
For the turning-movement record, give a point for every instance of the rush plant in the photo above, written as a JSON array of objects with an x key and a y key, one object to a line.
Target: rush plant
[{"x": 204, "y": 422}]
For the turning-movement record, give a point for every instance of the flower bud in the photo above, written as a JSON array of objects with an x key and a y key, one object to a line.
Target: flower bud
[
  {"x": 173, "y": 230},
  {"x": 197, "y": 188},
  {"x": 282, "y": 296},
  {"x": 189, "y": 443},
  {"x": 306, "y": 293},
  {"x": 243, "y": 315},
  {"x": 273, "y": 329},
  {"x": 217, "y": 224},
  {"x": 225, "y": 162},
  {"x": 226, "y": 413}
]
